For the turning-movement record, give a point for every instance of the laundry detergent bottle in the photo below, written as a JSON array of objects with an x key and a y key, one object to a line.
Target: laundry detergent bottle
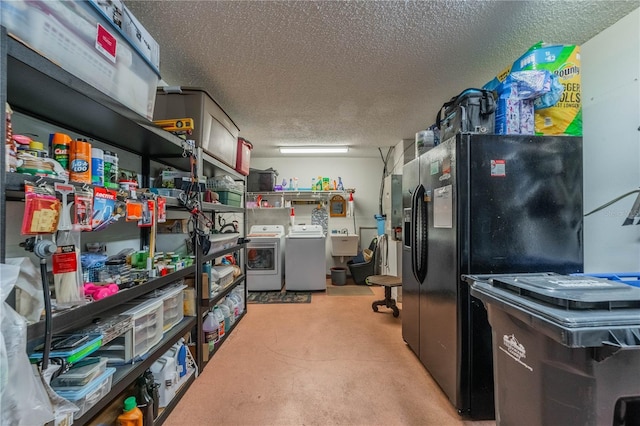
[
  {"x": 131, "y": 414},
  {"x": 210, "y": 328},
  {"x": 219, "y": 316}
]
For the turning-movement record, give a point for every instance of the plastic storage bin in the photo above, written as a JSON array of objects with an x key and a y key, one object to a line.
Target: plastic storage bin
[
  {"x": 221, "y": 242},
  {"x": 146, "y": 333},
  {"x": 230, "y": 197},
  {"x": 80, "y": 374},
  {"x": 76, "y": 36},
  {"x": 566, "y": 349},
  {"x": 87, "y": 396},
  {"x": 225, "y": 274},
  {"x": 172, "y": 306},
  {"x": 243, "y": 156},
  {"x": 261, "y": 180},
  {"x": 62, "y": 347},
  {"x": 214, "y": 131}
]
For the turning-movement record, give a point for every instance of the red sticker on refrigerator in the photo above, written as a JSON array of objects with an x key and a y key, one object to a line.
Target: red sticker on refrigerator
[{"x": 498, "y": 168}]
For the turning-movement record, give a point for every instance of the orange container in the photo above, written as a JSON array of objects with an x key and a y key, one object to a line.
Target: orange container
[
  {"x": 243, "y": 156},
  {"x": 131, "y": 415},
  {"x": 60, "y": 146},
  {"x": 80, "y": 161}
]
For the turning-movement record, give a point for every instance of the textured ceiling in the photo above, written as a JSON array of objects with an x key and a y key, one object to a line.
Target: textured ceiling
[{"x": 367, "y": 74}]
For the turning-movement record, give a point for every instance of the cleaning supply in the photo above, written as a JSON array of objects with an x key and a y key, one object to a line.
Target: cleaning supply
[
  {"x": 228, "y": 316},
  {"x": 181, "y": 358},
  {"x": 144, "y": 401},
  {"x": 219, "y": 316},
  {"x": 210, "y": 329},
  {"x": 80, "y": 161},
  {"x": 60, "y": 144},
  {"x": 292, "y": 217},
  {"x": 110, "y": 169},
  {"x": 350, "y": 205},
  {"x": 131, "y": 414},
  {"x": 97, "y": 166}
]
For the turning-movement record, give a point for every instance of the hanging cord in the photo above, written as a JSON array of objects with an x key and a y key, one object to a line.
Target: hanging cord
[
  {"x": 43, "y": 249},
  {"x": 385, "y": 160},
  {"x": 635, "y": 210}
]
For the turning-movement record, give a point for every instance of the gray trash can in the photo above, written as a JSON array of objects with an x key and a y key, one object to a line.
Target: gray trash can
[
  {"x": 566, "y": 349},
  {"x": 338, "y": 275}
]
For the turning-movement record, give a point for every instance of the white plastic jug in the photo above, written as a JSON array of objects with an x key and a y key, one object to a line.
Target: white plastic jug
[
  {"x": 210, "y": 329},
  {"x": 228, "y": 316},
  {"x": 219, "y": 316},
  {"x": 230, "y": 302},
  {"x": 165, "y": 375}
]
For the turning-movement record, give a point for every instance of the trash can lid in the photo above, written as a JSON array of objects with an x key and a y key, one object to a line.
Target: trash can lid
[
  {"x": 578, "y": 311},
  {"x": 571, "y": 292}
]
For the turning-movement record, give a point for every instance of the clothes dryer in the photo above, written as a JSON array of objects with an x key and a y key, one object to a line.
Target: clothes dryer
[{"x": 265, "y": 258}]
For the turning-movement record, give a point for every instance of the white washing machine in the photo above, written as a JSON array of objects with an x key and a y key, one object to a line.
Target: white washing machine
[
  {"x": 305, "y": 268},
  {"x": 265, "y": 258}
]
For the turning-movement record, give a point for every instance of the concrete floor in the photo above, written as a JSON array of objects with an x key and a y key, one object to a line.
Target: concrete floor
[{"x": 330, "y": 362}]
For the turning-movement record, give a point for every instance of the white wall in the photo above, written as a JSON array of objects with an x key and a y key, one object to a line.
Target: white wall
[
  {"x": 362, "y": 174},
  {"x": 611, "y": 116}
]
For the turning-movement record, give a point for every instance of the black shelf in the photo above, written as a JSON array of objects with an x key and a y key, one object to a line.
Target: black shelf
[
  {"x": 213, "y": 167},
  {"x": 125, "y": 375},
  {"x": 208, "y": 257},
  {"x": 162, "y": 417},
  {"x": 79, "y": 316},
  {"x": 210, "y": 303},
  {"x": 41, "y": 89}
]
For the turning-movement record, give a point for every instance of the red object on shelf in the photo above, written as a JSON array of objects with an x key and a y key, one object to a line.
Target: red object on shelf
[{"x": 243, "y": 156}]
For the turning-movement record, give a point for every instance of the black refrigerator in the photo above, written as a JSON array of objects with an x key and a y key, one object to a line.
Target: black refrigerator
[{"x": 482, "y": 204}]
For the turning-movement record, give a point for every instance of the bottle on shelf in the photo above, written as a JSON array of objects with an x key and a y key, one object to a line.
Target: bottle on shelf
[
  {"x": 228, "y": 316},
  {"x": 219, "y": 316},
  {"x": 131, "y": 414},
  {"x": 210, "y": 329},
  {"x": 144, "y": 401}
]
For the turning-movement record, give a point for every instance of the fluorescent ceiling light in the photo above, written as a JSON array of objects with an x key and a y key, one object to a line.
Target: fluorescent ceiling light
[{"x": 314, "y": 150}]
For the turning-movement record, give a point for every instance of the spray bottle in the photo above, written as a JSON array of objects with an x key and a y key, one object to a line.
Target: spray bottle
[
  {"x": 292, "y": 217},
  {"x": 350, "y": 205}
]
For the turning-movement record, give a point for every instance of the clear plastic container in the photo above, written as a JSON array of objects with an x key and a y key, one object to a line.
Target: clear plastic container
[
  {"x": 80, "y": 374},
  {"x": 226, "y": 275},
  {"x": 87, "y": 396}
]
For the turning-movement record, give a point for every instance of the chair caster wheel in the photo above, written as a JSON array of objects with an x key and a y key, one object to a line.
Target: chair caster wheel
[
  {"x": 374, "y": 307},
  {"x": 396, "y": 313}
]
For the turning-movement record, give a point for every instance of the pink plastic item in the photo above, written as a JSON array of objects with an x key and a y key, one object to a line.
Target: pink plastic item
[{"x": 98, "y": 292}]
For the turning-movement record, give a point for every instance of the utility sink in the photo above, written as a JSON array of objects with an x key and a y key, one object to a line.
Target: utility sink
[{"x": 344, "y": 245}]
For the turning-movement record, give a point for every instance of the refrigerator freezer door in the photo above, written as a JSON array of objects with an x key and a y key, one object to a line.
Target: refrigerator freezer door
[
  {"x": 438, "y": 294},
  {"x": 410, "y": 286}
]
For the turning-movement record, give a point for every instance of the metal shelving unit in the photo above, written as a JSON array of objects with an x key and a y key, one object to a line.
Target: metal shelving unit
[{"x": 39, "y": 88}]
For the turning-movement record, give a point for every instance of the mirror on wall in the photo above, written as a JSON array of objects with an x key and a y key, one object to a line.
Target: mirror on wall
[{"x": 337, "y": 206}]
